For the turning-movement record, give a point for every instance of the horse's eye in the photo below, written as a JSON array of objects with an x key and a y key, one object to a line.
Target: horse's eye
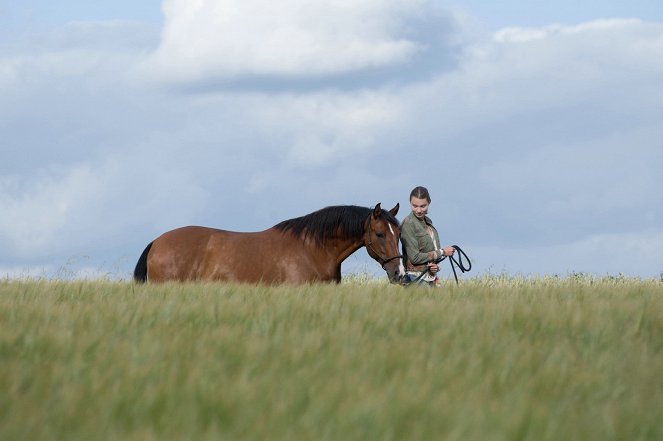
[{"x": 380, "y": 235}]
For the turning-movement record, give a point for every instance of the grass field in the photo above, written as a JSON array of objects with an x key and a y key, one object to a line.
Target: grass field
[{"x": 495, "y": 358}]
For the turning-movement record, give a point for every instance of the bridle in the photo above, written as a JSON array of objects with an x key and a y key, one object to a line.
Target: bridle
[{"x": 369, "y": 244}]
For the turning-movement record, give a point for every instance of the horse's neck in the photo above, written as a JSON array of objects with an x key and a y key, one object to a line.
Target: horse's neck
[{"x": 343, "y": 248}]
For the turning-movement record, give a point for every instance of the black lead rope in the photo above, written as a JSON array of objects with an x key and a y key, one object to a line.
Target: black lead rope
[
  {"x": 462, "y": 266},
  {"x": 458, "y": 263}
]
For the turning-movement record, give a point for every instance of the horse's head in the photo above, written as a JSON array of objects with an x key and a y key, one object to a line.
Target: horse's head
[{"x": 381, "y": 238}]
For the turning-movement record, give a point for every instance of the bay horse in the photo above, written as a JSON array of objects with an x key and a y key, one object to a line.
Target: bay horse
[{"x": 306, "y": 249}]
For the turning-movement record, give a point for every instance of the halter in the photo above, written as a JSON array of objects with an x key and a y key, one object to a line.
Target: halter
[{"x": 369, "y": 245}]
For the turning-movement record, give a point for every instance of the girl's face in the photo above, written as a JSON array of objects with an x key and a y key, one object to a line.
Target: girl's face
[{"x": 419, "y": 207}]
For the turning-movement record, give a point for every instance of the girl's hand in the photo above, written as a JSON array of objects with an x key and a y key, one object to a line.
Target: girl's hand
[
  {"x": 448, "y": 251},
  {"x": 433, "y": 268}
]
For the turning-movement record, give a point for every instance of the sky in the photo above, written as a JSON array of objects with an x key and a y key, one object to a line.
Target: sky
[{"x": 535, "y": 125}]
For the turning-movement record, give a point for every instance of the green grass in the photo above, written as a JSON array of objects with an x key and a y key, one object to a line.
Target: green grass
[{"x": 495, "y": 358}]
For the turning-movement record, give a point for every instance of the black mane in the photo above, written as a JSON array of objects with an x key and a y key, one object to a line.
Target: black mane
[{"x": 326, "y": 222}]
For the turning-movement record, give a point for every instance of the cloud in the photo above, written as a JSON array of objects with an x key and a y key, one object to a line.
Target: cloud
[
  {"x": 326, "y": 128},
  {"x": 522, "y": 35},
  {"x": 231, "y": 39},
  {"x": 32, "y": 216},
  {"x": 538, "y": 145},
  {"x": 544, "y": 140},
  {"x": 637, "y": 253},
  {"x": 101, "y": 50},
  {"x": 66, "y": 209},
  {"x": 606, "y": 65}
]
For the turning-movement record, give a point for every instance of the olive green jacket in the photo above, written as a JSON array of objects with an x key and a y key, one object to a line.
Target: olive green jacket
[{"x": 418, "y": 247}]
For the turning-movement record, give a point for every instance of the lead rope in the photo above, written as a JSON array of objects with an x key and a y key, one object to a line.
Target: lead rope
[{"x": 462, "y": 266}]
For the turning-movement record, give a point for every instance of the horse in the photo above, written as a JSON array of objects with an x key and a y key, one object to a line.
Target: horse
[{"x": 301, "y": 250}]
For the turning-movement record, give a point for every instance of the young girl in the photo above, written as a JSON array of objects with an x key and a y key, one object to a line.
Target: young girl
[{"x": 421, "y": 242}]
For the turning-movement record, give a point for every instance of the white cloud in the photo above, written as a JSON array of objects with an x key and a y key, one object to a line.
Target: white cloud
[
  {"x": 232, "y": 38},
  {"x": 521, "y": 35}
]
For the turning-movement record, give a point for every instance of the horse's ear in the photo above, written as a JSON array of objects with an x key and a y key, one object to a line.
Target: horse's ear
[
  {"x": 377, "y": 211},
  {"x": 394, "y": 210}
]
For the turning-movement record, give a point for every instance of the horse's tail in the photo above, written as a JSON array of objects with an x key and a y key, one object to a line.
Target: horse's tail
[{"x": 140, "y": 272}]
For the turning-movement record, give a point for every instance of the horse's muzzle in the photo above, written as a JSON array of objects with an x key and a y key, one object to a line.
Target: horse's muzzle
[{"x": 395, "y": 273}]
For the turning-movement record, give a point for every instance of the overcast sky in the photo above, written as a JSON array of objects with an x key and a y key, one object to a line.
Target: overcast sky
[{"x": 535, "y": 125}]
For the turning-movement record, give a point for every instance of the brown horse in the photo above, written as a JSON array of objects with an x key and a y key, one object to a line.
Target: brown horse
[{"x": 310, "y": 248}]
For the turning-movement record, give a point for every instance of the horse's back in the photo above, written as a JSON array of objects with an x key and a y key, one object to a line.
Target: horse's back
[
  {"x": 194, "y": 253},
  {"x": 201, "y": 253}
]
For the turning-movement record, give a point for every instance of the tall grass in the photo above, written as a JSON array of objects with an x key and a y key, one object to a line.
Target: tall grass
[{"x": 495, "y": 358}]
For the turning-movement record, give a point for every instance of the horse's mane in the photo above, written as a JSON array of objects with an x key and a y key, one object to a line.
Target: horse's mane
[{"x": 330, "y": 221}]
